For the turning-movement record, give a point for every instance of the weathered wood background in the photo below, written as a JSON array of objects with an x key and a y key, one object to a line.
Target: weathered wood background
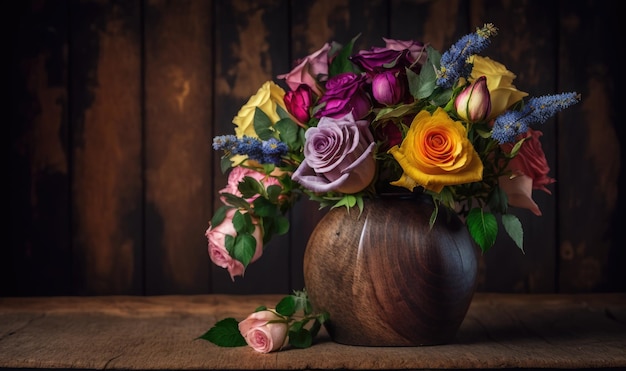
[{"x": 112, "y": 106}]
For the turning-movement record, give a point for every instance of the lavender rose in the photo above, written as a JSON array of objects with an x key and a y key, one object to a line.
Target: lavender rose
[
  {"x": 344, "y": 94},
  {"x": 338, "y": 156}
]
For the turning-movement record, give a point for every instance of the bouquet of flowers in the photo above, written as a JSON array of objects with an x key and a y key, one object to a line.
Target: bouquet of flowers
[{"x": 354, "y": 125}]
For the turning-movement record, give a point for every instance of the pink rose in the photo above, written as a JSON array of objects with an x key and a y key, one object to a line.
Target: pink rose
[
  {"x": 236, "y": 176},
  {"x": 338, "y": 156},
  {"x": 263, "y": 335},
  {"x": 299, "y": 103},
  {"x": 530, "y": 171},
  {"x": 345, "y": 93},
  {"x": 216, "y": 236},
  {"x": 309, "y": 71}
]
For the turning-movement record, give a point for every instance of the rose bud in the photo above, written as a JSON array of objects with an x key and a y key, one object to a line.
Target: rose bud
[
  {"x": 299, "y": 102},
  {"x": 387, "y": 88},
  {"x": 474, "y": 102}
]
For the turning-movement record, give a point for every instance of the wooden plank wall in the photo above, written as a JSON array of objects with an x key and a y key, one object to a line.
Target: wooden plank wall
[{"x": 112, "y": 106}]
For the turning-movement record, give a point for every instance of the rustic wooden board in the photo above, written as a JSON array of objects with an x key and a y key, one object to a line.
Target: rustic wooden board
[
  {"x": 252, "y": 46},
  {"x": 526, "y": 45},
  {"x": 36, "y": 259},
  {"x": 134, "y": 333},
  {"x": 592, "y": 139},
  {"x": 112, "y": 185},
  {"x": 177, "y": 138},
  {"x": 106, "y": 147}
]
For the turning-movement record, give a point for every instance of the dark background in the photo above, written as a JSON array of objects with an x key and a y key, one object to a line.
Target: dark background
[{"x": 111, "y": 107}]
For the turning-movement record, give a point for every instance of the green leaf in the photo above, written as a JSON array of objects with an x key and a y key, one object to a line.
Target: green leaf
[
  {"x": 235, "y": 201},
  {"x": 513, "y": 228},
  {"x": 242, "y": 222},
  {"x": 225, "y": 333},
  {"x": 281, "y": 225},
  {"x": 300, "y": 339},
  {"x": 263, "y": 207},
  {"x": 273, "y": 192},
  {"x": 391, "y": 112},
  {"x": 286, "y": 306},
  {"x": 315, "y": 328},
  {"x": 250, "y": 187},
  {"x": 244, "y": 248},
  {"x": 483, "y": 228},
  {"x": 262, "y": 124},
  {"x": 219, "y": 216},
  {"x": 225, "y": 164},
  {"x": 424, "y": 84},
  {"x": 498, "y": 200},
  {"x": 287, "y": 132},
  {"x": 341, "y": 63},
  {"x": 282, "y": 113}
]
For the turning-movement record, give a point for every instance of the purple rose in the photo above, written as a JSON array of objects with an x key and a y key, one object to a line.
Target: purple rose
[
  {"x": 380, "y": 59},
  {"x": 338, "y": 156},
  {"x": 345, "y": 93},
  {"x": 417, "y": 50},
  {"x": 388, "y": 88}
]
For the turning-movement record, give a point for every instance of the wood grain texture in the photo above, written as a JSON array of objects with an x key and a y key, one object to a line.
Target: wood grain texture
[
  {"x": 526, "y": 44},
  {"x": 112, "y": 183},
  {"x": 178, "y": 153},
  {"x": 37, "y": 145},
  {"x": 592, "y": 152},
  {"x": 386, "y": 278},
  {"x": 105, "y": 115},
  {"x": 252, "y": 49},
  {"x": 500, "y": 331}
]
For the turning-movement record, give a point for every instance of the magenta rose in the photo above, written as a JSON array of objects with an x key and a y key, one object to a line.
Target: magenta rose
[
  {"x": 237, "y": 175},
  {"x": 530, "y": 171},
  {"x": 344, "y": 94},
  {"x": 264, "y": 331},
  {"x": 216, "y": 236},
  {"x": 388, "y": 88},
  {"x": 299, "y": 102},
  {"x": 309, "y": 71},
  {"x": 338, "y": 156}
]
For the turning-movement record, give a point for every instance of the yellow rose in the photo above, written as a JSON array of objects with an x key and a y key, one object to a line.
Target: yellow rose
[
  {"x": 266, "y": 98},
  {"x": 499, "y": 82},
  {"x": 436, "y": 153}
]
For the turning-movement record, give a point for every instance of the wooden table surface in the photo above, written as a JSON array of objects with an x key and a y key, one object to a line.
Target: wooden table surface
[{"x": 159, "y": 332}]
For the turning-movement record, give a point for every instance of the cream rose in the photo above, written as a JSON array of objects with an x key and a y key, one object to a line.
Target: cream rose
[{"x": 499, "y": 82}]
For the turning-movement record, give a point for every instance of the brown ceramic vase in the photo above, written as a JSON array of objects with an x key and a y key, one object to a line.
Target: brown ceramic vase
[{"x": 386, "y": 278}]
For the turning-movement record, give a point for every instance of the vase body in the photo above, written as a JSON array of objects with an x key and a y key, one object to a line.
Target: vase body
[{"x": 386, "y": 278}]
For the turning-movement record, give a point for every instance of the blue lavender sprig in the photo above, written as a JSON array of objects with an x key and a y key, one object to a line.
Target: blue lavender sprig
[
  {"x": 270, "y": 151},
  {"x": 454, "y": 63},
  {"x": 537, "y": 111}
]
